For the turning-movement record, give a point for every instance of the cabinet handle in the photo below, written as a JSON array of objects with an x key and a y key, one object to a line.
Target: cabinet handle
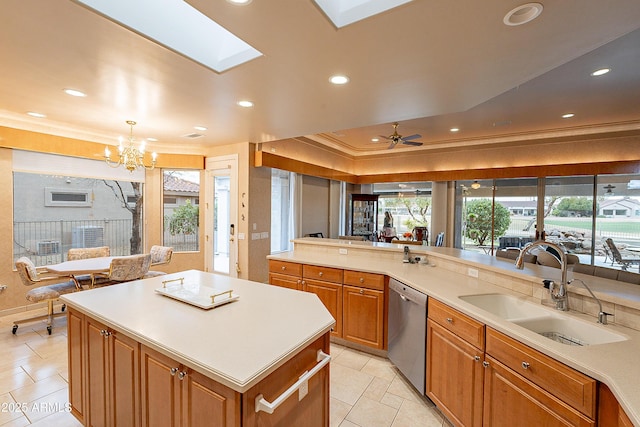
[
  {"x": 263, "y": 405},
  {"x": 174, "y": 371},
  {"x": 320, "y": 274},
  {"x": 105, "y": 333},
  {"x": 476, "y": 358},
  {"x": 182, "y": 374},
  {"x": 283, "y": 268},
  {"x": 449, "y": 320},
  {"x": 362, "y": 280},
  {"x": 361, "y": 291},
  {"x": 485, "y": 364},
  {"x": 525, "y": 365}
]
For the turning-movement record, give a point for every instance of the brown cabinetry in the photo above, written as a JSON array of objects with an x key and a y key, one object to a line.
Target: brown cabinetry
[
  {"x": 610, "y": 413},
  {"x": 454, "y": 371},
  {"x": 175, "y": 395},
  {"x": 355, "y": 299},
  {"x": 499, "y": 381}
]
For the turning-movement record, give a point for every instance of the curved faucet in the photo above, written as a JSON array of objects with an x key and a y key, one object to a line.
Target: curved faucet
[{"x": 560, "y": 296}]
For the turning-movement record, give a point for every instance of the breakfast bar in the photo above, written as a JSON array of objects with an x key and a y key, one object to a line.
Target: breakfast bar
[{"x": 137, "y": 356}]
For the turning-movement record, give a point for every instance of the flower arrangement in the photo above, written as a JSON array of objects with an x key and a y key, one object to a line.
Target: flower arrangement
[{"x": 407, "y": 235}]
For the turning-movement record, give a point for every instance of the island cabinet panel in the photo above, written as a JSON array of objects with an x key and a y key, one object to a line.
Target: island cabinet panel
[
  {"x": 111, "y": 361},
  {"x": 512, "y": 400},
  {"x": 454, "y": 375},
  {"x": 610, "y": 413},
  {"x": 363, "y": 316},
  {"x": 76, "y": 344},
  {"x": 309, "y": 406},
  {"x": 331, "y": 296},
  {"x": 173, "y": 395}
]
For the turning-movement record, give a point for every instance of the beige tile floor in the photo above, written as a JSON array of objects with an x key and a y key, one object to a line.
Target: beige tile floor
[{"x": 366, "y": 391}]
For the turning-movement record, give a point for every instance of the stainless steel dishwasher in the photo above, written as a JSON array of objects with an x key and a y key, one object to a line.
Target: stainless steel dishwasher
[{"x": 408, "y": 332}]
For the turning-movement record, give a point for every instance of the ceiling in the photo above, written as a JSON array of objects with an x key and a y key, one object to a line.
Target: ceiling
[{"x": 428, "y": 65}]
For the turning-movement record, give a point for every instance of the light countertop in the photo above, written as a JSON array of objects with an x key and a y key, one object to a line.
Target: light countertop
[
  {"x": 614, "y": 364},
  {"x": 236, "y": 344}
]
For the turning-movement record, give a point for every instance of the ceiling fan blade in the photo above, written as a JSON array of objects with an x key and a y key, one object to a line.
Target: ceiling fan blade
[
  {"x": 414, "y": 143},
  {"x": 386, "y": 137},
  {"x": 410, "y": 137},
  {"x": 393, "y": 144}
]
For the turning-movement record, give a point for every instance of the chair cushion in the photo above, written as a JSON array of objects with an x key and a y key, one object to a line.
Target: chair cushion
[
  {"x": 85, "y": 253},
  {"x": 129, "y": 268},
  {"x": 160, "y": 254},
  {"x": 42, "y": 293},
  {"x": 28, "y": 270}
]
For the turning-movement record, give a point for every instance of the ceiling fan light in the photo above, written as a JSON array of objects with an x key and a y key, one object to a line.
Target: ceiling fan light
[{"x": 475, "y": 185}]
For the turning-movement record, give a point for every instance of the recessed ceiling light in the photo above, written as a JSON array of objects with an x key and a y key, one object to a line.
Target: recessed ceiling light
[
  {"x": 239, "y": 2},
  {"x": 339, "y": 80},
  {"x": 522, "y": 14},
  {"x": 375, "y": 139},
  {"x": 200, "y": 128},
  {"x": 245, "y": 103},
  {"x": 74, "y": 92},
  {"x": 600, "y": 72},
  {"x": 454, "y": 130},
  {"x": 568, "y": 115},
  {"x": 35, "y": 114}
]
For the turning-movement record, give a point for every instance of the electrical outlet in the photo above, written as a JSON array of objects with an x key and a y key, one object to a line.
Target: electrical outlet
[
  {"x": 264, "y": 235},
  {"x": 472, "y": 272},
  {"x": 342, "y": 251}
]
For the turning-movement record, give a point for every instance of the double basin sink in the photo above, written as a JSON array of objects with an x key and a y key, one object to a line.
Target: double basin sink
[{"x": 542, "y": 320}]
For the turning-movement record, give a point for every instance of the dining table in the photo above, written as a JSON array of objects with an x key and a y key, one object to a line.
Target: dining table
[{"x": 82, "y": 267}]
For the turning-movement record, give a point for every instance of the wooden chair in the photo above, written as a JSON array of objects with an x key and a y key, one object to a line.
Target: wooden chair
[
  {"x": 617, "y": 256},
  {"x": 49, "y": 290},
  {"x": 160, "y": 255},
  {"x": 126, "y": 269}
]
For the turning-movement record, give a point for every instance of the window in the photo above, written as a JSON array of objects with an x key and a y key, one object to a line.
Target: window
[
  {"x": 404, "y": 207},
  {"x": 44, "y": 230},
  {"x": 282, "y": 183},
  {"x": 181, "y": 192}
]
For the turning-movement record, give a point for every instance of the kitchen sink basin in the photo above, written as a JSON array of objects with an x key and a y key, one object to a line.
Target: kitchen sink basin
[
  {"x": 544, "y": 321},
  {"x": 507, "y": 307},
  {"x": 570, "y": 331}
]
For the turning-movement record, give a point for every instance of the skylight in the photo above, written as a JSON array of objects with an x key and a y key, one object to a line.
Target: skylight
[
  {"x": 345, "y": 12},
  {"x": 179, "y": 27}
]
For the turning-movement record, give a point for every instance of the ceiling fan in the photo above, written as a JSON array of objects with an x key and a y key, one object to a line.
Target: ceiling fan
[{"x": 407, "y": 140}]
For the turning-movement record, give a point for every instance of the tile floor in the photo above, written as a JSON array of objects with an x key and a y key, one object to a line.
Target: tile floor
[{"x": 366, "y": 391}]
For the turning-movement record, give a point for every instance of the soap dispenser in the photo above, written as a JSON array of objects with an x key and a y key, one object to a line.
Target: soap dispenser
[{"x": 406, "y": 254}]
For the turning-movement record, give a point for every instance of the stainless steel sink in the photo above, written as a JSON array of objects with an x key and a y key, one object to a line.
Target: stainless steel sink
[{"x": 544, "y": 321}]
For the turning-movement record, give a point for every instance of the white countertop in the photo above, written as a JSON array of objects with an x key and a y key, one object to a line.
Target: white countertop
[
  {"x": 614, "y": 364},
  {"x": 236, "y": 344}
]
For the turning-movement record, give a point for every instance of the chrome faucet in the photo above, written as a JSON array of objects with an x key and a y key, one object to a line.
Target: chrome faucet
[{"x": 559, "y": 295}]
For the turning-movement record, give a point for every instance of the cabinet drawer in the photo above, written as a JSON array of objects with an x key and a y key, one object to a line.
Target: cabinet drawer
[
  {"x": 460, "y": 324},
  {"x": 364, "y": 280},
  {"x": 285, "y": 267},
  {"x": 326, "y": 274},
  {"x": 567, "y": 384}
]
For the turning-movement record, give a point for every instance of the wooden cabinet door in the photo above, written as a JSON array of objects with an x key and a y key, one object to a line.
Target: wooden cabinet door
[
  {"x": 454, "y": 374},
  {"x": 510, "y": 400},
  {"x": 76, "y": 343},
  {"x": 124, "y": 377},
  {"x": 331, "y": 296},
  {"x": 159, "y": 389},
  {"x": 285, "y": 281},
  {"x": 208, "y": 403},
  {"x": 363, "y": 316},
  {"x": 97, "y": 374}
]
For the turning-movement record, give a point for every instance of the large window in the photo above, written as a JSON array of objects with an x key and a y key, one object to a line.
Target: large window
[
  {"x": 181, "y": 209},
  {"x": 404, "y": 208},
  {"x": 53, "y": 213}
]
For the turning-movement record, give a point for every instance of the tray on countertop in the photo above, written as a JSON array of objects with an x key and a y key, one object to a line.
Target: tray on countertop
[{"x": 200, "y": 296}]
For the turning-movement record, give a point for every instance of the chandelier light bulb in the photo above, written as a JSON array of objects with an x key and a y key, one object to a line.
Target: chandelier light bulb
[{"x": 129, "y": 156}]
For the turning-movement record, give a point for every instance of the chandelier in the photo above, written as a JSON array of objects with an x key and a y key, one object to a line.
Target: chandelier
[{"x": 129, "y": 156}]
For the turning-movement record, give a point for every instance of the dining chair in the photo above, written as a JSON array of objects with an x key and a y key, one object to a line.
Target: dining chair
[
  {"x": 126, "y": 269},
  {"x": 48, "y": 290},
  {"x": 160, "y": 255},
  {"x": 85, "y": 253}
]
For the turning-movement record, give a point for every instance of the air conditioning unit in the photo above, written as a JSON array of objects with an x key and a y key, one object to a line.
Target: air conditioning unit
[
  {"x": 48, "y": 247},
  {"x": 88, "y": 236}
]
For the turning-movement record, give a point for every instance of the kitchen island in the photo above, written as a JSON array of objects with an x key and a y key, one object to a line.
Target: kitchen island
[{"x": 140, "y": 358}]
